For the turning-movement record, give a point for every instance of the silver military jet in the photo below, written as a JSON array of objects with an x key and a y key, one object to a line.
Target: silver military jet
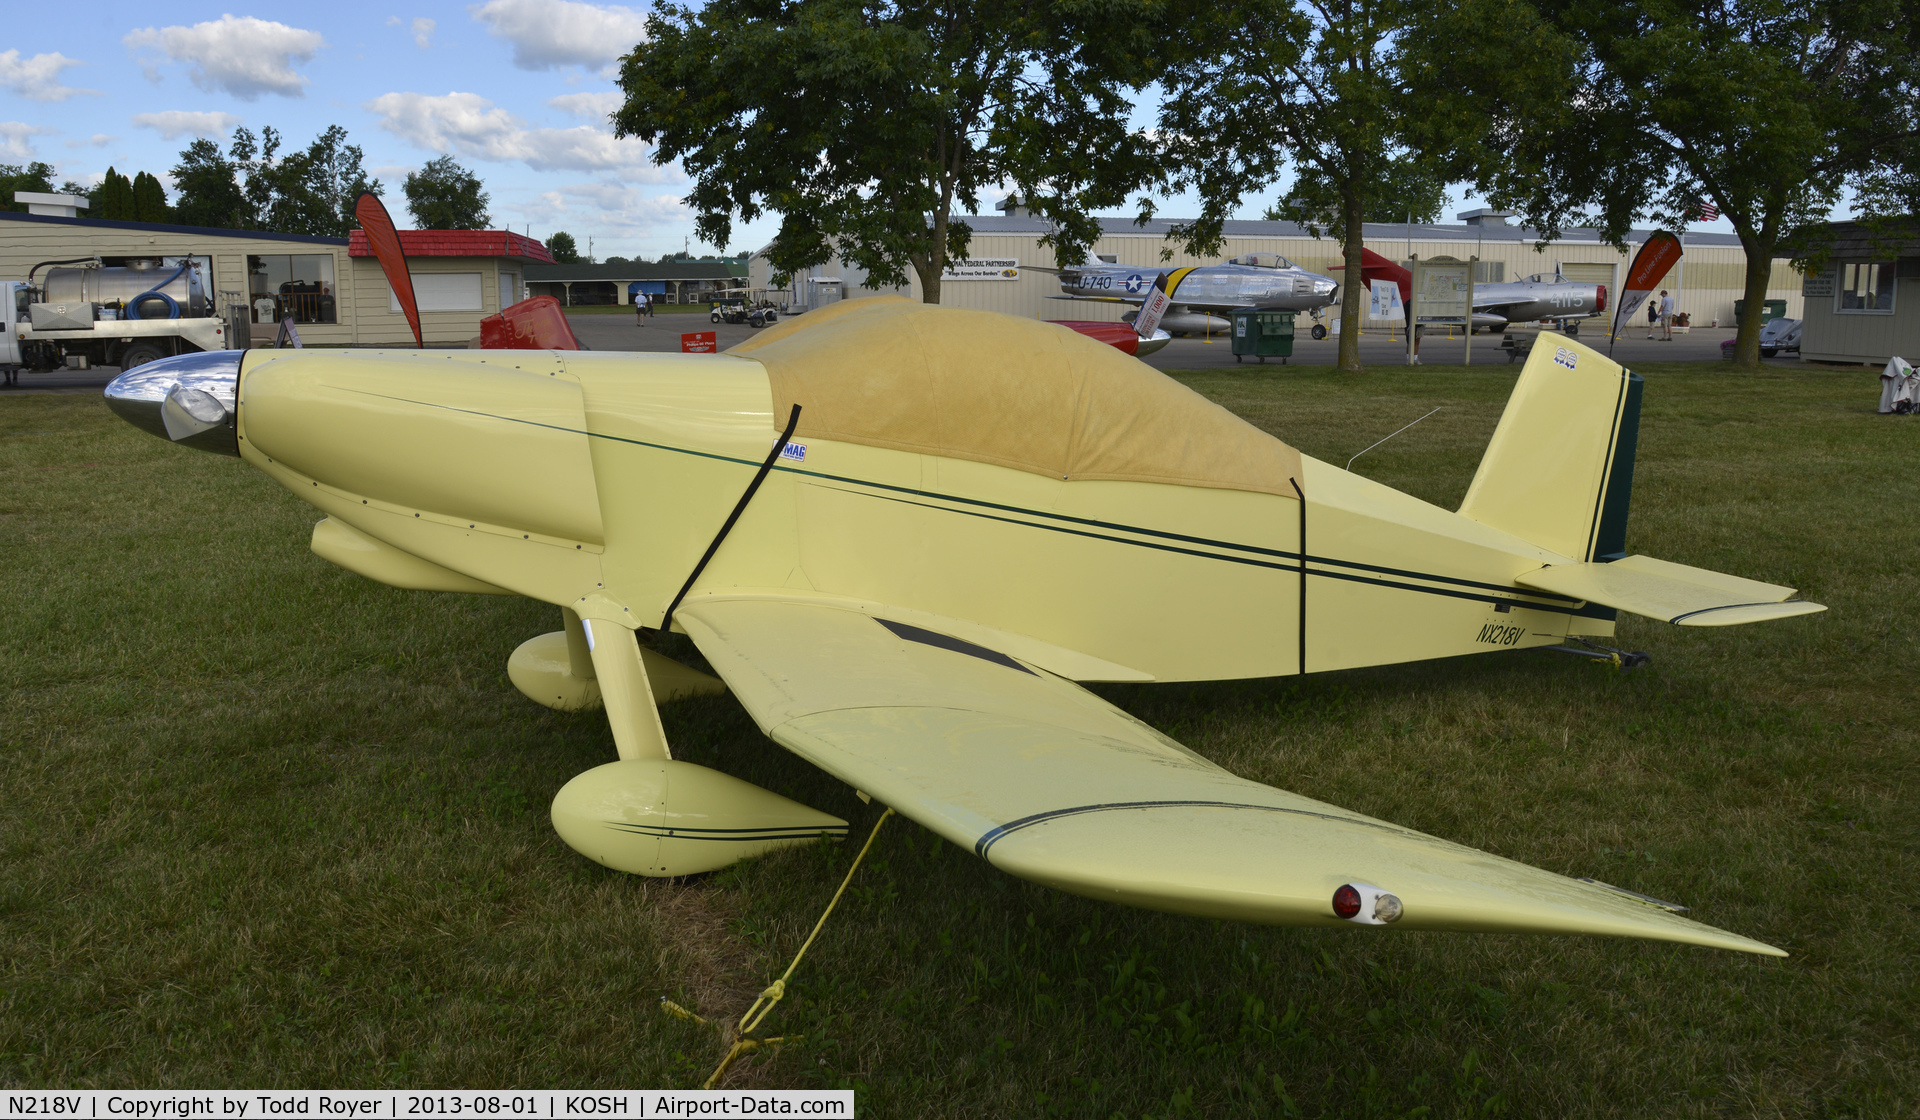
[
  {"x": 1542, "y": 297},
  {"x": 1201, "y": 293}
]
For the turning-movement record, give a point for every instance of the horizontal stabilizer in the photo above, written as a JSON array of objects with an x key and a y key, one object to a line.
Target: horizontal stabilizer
[
  {"x": 1670, "y": 592},
  {"x": 1047, "y": 781}
]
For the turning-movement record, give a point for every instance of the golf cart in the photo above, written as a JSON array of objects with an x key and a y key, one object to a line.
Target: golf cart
[{"x": 737, "y": 309}]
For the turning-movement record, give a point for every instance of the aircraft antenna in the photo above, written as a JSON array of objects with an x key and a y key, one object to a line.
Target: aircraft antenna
[{"x": 1384, "y": 439}]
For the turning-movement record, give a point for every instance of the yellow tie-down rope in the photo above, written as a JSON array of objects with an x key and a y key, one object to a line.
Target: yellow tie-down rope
[{"x": 763, "y": 1005}]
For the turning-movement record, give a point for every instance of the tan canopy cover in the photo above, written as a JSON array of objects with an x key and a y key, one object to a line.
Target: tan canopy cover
[{"x": 1019, "y": 393}]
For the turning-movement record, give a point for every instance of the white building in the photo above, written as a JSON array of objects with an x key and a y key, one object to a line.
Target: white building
[{"x": 1711, "y": 277}]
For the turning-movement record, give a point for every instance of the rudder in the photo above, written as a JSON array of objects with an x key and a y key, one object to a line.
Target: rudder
[{"x": 1559, "y": 469}]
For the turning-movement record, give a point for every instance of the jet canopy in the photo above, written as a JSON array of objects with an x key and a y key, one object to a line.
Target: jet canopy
[
  {"x": 1262, "y": 260},
  {"x": 1553, "y": 277}
]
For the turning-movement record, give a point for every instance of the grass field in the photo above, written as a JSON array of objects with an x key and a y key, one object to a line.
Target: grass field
[{"x": 270, "y": 824}]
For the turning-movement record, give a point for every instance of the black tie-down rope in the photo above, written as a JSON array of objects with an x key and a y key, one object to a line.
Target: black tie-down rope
[{"x": 739, "y": 507}]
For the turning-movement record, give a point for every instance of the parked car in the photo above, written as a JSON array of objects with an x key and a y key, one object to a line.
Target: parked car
[{"x": 1778, "y": 335}]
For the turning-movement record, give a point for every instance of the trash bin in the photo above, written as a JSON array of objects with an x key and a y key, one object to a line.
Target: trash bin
[
  {"x": 1262, "y": 333},
  {"x": 1774, "y": 308}
]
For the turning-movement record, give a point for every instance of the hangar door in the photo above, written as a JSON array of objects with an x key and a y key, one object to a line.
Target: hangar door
[{"x": 1590, "y": 274}]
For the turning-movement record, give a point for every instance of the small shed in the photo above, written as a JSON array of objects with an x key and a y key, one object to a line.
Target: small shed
[
  {"x": 1861, "y": 292},
  {"x": 586, "y": 285},
  {"x": 459, "y": 277}
]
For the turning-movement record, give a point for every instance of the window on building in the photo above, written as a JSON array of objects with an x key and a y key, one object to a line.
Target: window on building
[
  {"x": 292, "y": 285},
  {"x": 1866, "y": 287},
  {"x": 442, "y": 291},
  {"x": 1490, "y": 272}
]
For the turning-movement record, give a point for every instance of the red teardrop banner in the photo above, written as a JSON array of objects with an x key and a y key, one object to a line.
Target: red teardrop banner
[{"x": 385, "y": 241}]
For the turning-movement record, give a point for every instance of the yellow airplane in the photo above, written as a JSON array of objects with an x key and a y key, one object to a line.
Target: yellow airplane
[{"x": 901, "y": 534}]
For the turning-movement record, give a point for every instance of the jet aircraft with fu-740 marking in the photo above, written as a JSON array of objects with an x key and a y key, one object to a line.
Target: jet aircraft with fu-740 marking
[{"x": 1201, "y": 295}]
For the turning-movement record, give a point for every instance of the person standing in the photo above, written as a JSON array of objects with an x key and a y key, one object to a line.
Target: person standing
[
  {"x": 1666, "y": 316},
  {"x": 1653, "y": 315}
]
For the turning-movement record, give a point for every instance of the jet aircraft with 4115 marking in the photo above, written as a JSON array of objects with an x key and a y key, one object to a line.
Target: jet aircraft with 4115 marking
[{"x": 902, "y": 535}]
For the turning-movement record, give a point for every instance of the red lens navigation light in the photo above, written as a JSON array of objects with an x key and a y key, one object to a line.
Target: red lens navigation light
[{"x": 1346, "y": 902}]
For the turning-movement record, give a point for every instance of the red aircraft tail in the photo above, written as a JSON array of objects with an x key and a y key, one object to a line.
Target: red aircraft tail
[{"x": 1373, "y": 267}]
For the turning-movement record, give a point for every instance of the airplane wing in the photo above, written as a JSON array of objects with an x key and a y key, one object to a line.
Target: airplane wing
[
  {"x": 1096, "y": 299},
  {"x": 1047, "y": 781}
]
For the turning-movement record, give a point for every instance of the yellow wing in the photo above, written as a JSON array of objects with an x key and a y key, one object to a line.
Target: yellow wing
[{"x": 1049, "y": 782}]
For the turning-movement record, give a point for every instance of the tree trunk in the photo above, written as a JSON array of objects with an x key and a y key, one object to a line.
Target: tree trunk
[
  {"x": 936, "y": 266},
  {"x": 929, "y": 272},
  {"x": 1746, "y": 343},
  {"x": 1352, "y": 290}
]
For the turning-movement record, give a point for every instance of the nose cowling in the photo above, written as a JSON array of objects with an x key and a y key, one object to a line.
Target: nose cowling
[{"x": 188, "y": 399}]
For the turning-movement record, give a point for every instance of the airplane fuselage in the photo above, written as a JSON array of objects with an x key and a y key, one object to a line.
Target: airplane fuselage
[
  {"x": 1537, "y": 299},
  {"x": 1218, "y": 287},
  {"x": 594, "y": 481}
]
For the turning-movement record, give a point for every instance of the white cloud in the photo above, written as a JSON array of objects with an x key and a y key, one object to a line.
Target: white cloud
[
  {"x": 174, "y": 123},
  {"x": 97, "y": 140},
  {"x": 38, "y": 78},
  {"x": 16, "y": 139},
  {"x": 550, "y": 34},
  {"x": 422, "y": 29},
  {"x": 592, "y": 106},
  {"x": 244, "y": 56},
  {"x": 470, "y": 125},
  {"x": 607, "y": 209}
]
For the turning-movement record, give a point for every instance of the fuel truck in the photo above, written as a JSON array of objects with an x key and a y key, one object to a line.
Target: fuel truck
[{"x": 82, "y": 314}]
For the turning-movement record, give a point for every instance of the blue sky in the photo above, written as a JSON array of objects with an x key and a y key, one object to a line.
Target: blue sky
[{"x": 517, "y": 90}]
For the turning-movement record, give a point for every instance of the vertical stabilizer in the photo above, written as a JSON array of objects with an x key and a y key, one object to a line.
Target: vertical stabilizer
[{"x": 1559, "y": 470}]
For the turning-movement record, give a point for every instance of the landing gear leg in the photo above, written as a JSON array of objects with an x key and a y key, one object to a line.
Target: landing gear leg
[{"x": 622, "y": 674}]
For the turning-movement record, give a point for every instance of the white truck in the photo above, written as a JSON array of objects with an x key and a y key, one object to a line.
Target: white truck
[{"x": 92, "y": 315}]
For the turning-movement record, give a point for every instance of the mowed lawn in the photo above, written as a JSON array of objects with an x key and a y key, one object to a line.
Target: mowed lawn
[{"x": 269, "y": 824}]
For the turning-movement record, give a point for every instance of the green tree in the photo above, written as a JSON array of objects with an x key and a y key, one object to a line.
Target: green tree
[
  {"x": 1313, "y": 86},
  {"x": 149, "y": 199},
  {"x": 866, "y": 125},
  {"x": 563, "y": 249},
  {"x": 1767, "y": 108},
  {"x": 1409, "y": 191},
  {"x": 445, "y": 195},
  {"x": 207, "y": 187},
  {"x": 34, "y": 178},
  {"x": 1354, "y": 98},
  {"x": 113, "y": 198},
  {"x": 310, "y": 191}
]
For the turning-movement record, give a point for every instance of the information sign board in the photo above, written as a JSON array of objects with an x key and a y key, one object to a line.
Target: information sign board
[{"x": 995, "y": 268}]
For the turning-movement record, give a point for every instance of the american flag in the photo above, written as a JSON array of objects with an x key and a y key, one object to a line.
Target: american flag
[{"x": 1705, "y": 211}]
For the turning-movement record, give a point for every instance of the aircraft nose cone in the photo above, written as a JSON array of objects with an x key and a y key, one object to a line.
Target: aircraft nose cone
[{"x": 188, "y": 399}]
